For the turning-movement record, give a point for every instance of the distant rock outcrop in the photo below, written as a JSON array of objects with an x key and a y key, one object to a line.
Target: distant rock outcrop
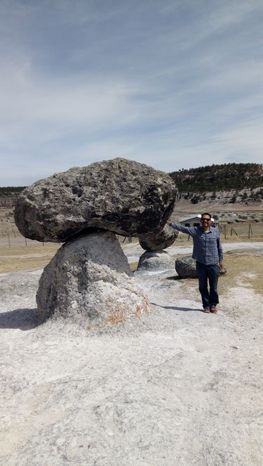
[
  {"x": 88, "y": 282},
  {"x": 242, "y": 196},
  {"x": 122, "y": 196},
  {"x": 224, "y": 177}
]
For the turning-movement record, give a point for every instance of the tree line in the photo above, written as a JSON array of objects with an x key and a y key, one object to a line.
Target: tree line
[
  {"x": 11, "y": 190},
  {"x": 223, "y": 177}
]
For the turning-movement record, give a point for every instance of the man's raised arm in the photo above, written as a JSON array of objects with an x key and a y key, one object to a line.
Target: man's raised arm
[{"x": 182, "y": 228}]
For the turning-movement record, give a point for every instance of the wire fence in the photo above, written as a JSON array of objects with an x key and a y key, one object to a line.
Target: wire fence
[
  {"x": 244, "y": 230},
  {"x": 10, "y": 236}
]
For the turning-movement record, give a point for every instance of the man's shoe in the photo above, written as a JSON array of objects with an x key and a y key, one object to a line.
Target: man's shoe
[
  {"x": 207, "y": 310},
  {"x": 213, "y": 309}
]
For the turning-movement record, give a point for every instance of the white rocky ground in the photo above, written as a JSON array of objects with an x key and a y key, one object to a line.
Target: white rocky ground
[{"x": 179, "y": 387}]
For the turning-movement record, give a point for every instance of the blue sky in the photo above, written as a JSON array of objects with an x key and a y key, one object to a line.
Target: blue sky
[{"x": 170, "y": 83}]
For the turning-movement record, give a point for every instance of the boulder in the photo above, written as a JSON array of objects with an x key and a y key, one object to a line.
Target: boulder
[
  {"x": 119, "y": 195},
  {"x": 158, "y": 260},
  {"x": 88, "y": 282},
  {"x": 161, "y": 240},
  {"x": 186, "y": 267}
]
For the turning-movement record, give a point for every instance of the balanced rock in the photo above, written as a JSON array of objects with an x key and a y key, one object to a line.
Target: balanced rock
[
  {"x": 122, "y": 196},
  {"x": 88, "y": 282},
  {"x": 157, "y": 260},
  {"x": 186, "y": 267},
  {"x": 161, "y": 240}
]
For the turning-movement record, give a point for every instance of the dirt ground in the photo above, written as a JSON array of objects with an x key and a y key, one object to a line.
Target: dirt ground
[{"x": 177, "y": 387}]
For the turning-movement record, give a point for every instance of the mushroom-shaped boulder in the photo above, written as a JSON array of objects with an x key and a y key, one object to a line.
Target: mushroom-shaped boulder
[{"x": 119, "y": 195}]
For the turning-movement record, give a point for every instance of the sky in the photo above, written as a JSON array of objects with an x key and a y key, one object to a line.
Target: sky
[{"x": 171, "y": 83}]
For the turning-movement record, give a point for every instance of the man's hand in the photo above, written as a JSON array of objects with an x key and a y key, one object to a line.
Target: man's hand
[{"x": 221, "y": 267}]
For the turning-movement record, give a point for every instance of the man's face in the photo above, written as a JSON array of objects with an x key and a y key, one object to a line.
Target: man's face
[{"x": 205, "y": 221}]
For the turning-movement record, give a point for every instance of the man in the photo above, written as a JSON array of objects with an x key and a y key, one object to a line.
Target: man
[{"x": 209, "y": 258}]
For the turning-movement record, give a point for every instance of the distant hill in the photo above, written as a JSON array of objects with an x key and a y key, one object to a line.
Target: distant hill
[
  {"x": 9, "y": 194},
  {"x": 224, "y": 177},
  {"x": 227, "y": 183},
  {"x": 11, "y": 190}
]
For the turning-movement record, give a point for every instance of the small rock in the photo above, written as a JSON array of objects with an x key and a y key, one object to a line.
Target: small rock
[
  {"x": 158, "y": 260},
  {"x": 186, "y": 267}
]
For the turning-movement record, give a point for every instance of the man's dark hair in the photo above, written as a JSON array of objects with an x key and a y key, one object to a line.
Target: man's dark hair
[{"x": 206, "y": 213}]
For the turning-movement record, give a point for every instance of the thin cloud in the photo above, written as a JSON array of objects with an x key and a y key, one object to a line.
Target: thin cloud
[{"x": 173, "y": 84}]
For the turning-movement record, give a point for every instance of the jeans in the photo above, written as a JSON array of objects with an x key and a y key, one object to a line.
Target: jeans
[{"x": 208, "y": 274}]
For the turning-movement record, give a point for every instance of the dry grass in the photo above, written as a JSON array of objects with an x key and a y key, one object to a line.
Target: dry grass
[
  {"x": 242, "y": 269},
  {"x": 117, "y": 317},
  {"x": 244, "y": 266},
  {"x": 26, "y": 258},
  {"x": 16, "y": 253},
  {"x": 133, "y": 266}
]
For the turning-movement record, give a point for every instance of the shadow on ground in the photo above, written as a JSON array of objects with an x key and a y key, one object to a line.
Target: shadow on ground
[
  {"x": 176, "y": 277},
  {"x": 177, "y": 308},
  {"x": 23, "y": 319}
]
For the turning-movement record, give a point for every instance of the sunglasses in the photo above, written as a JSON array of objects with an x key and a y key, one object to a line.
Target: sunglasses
[{"x": 205, "y": 219}]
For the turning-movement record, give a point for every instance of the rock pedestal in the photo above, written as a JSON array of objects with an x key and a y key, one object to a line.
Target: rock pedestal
[
  {"x": 89, "y": 281},
  {"x": 157, "y": 260},
  {"x": 154, "y": 257}
]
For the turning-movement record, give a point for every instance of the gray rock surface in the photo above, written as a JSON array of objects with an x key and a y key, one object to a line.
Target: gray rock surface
[
  {"x": 71, "y": 398},
  {"x": 119, "y": 195},
  {"x": 186, "y": 267},
  {"x": 88, "y": 282},
  {"x": 156, "y": 241},
  {"x": 157, "y": 260}
]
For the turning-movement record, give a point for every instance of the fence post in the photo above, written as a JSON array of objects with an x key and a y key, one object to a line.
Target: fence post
[{"x": 233, "y": 230}]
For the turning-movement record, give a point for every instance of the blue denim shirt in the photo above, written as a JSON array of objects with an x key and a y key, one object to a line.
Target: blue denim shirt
[{"x": 207, "y": 246}]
